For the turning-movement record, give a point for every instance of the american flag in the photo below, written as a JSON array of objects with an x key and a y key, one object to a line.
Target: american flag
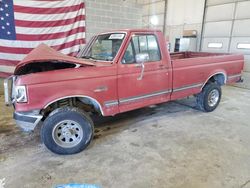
[{"x": 24, "y": 24}]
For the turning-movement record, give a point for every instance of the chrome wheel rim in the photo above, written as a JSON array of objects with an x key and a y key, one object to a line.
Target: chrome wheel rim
[
  {"x": 67, "y": 133},
  {"x": 213, "y": 97}
]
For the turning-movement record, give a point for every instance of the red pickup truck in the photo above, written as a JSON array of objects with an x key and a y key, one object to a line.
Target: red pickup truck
[{"x": 116, "y": 72}]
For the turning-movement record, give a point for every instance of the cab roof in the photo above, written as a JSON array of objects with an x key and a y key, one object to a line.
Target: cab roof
[{"x": 132, "y": 30}]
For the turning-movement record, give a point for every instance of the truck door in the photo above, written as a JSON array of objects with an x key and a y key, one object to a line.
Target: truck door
[{"x": 144, "y": 84}]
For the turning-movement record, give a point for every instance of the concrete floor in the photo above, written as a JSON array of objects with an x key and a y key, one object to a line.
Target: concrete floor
[{"x": 170, "y": 145}]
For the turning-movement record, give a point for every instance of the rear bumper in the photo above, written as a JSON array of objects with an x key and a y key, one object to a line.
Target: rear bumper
[
  {"x": 27, "y": 121},
  {"x": 235, "y": 78},
  {"x": 240, "y": 80}
]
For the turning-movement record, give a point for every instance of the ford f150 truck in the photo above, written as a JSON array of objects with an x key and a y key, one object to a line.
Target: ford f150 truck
[{"x": 116, "y": 72}]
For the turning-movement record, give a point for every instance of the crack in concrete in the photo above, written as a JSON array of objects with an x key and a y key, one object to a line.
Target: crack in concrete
[{"x": 243, "y": 185}]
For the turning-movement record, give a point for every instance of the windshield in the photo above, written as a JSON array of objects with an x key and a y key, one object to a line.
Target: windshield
[{"x": 104, "y": 47}]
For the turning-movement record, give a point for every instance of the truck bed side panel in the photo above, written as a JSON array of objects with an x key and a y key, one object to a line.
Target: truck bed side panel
[{"x": 190, "y": 75}]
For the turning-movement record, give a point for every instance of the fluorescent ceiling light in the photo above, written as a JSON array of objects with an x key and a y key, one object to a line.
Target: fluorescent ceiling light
[
  {"x": 214, "y": 45},
  {"x": 154, "y": 20},
  {"x": 243, "y": 46}
]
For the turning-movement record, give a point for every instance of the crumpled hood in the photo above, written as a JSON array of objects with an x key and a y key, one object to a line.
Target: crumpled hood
[{"x": 45, "y": 53}]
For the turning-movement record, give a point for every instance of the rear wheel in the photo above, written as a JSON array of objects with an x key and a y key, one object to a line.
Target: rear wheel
[
  {"x": 67, "y": 131},
  {"x": 209, "y": 98}
]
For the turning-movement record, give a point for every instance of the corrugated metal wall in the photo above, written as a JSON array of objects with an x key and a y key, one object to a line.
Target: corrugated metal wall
[{"x": 227, "y": 29}]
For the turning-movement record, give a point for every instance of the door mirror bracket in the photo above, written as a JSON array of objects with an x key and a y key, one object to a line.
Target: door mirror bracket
[{"x": 140, "y": 59}]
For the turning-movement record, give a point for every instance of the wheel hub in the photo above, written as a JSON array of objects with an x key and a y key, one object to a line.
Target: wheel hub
[
  {"x": 213, "y": 98},
  {"x": 67, "y": 133}
]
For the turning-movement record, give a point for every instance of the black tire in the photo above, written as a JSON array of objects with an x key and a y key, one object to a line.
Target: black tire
[
  {"x": 202, "y": 98},
  {"x": 57, "y": 118}
]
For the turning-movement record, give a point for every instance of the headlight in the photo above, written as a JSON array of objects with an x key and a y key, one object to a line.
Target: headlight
[{"x": 20, "y": 94}]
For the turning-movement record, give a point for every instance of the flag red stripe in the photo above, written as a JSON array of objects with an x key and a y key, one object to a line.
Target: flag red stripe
[
  {"x": 4, "y": 75},
  {"x": 13, "y": 50},
  {"x": 38, "y": 24},
  {"x": 69, "y": 44},
  {"x": 29, "y": 37},
  {"x": 8, "y": 62},
  {"x": 33, "y": 10},
  {"x": 73, "y": 54}
]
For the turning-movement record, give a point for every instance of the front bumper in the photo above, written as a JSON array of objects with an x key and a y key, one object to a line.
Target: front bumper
[
  {"x": 9, "y": 89},
  {"x": 28, "y": 120}
]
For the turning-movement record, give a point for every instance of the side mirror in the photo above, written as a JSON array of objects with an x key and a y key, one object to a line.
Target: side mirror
[{"x": 141, "y": 58}]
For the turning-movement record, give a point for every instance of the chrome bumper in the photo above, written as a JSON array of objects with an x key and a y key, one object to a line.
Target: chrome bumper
[
  {"x": 8, "y": 90},
  {"x": 241, "y": 80},
  {"x": 27, "y": 121}
]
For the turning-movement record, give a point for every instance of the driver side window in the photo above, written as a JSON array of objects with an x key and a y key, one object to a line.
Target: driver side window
[{"x": 142, "y": 44}]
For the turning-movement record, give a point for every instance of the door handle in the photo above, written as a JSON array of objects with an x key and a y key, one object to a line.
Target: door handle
[
  {"x": 162, "y": 66},
  {"x": 142, "y": 71}
]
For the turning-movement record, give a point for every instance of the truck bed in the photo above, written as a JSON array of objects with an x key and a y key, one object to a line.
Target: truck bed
[
  {"x": 195, "y": 68},
  {"x": 187, "y": 55}
]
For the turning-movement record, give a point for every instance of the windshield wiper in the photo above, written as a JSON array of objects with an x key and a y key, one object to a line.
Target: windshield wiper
[
  {"x": 93, "y": 58},
  {"x": 89, "y": 57},
  {"x": 86, "y": 57}
]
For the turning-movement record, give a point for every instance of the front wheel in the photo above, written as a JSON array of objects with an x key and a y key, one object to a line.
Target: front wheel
[
  {"x": 209, "y": 98},
  {"x": 67, "y": 131}
]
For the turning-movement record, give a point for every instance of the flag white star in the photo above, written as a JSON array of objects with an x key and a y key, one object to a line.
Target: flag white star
[
  {"x": 6, "y": 5},
  {"x": 1, "y": 9},
  {"x": 8, "y": 23},
  {"x": 7, "y": 14},
  {"x": 8, "y": 33},
  {"x": 3, "y": 27},
  {"x": 2, "y": 18}
]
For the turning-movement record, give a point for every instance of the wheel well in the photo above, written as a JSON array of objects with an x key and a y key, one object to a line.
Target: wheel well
[
  {"x": 219, "y": 78},
  {"x": 85, "y": 103}
]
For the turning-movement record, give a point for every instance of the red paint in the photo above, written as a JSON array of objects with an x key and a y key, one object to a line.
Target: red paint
[
  {"x": 65, "y": 45},
  {"x": 185, "y": 69},
  {"x": 24, "y": 9},
  {"x": 48, "y": 23},
  {"x": 41, "y": 37},
  {"x": 45, "y": 53}
]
